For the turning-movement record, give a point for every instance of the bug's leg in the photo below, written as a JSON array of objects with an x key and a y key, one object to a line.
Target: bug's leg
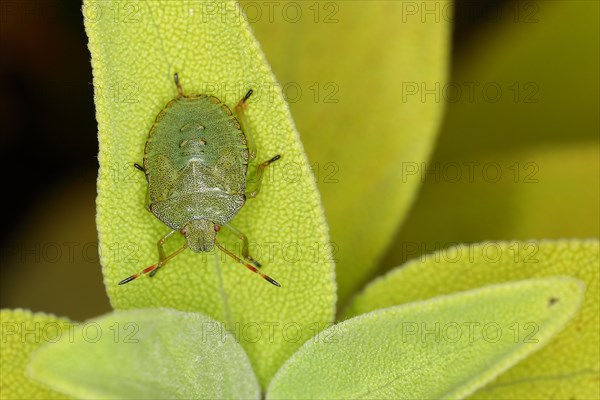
[
  {"x": 250, "y": 267},
  {"x": 138, "y": 166},
  {"x": 244, "y": 239},
  {"x": 153, "y": 268},
  {"x": 254, "y": 180},
  {"x": 161, "y": 251},
  {"x": 147, "y": 202},
  {"x": 240, "y": 111},
  {"x": 179, "y": 88}
]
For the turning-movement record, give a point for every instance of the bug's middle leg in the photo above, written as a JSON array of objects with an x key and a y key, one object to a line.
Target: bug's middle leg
[
  {"x": 240, "y": 110},
  {"x": 147, "y": 202},
  {"x": 254, "y": 180}
]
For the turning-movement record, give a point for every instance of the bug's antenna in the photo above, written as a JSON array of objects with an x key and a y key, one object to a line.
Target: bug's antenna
[
  {"x": 250, "y": 267},
  {"x": 154, "y": 267}
]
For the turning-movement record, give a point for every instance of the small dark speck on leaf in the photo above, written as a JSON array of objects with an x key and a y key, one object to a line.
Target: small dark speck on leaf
[{"x": 552, "y": 301}]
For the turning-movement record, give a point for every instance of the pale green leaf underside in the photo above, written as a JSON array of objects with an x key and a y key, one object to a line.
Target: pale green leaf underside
[
  {"x": 134, "y": 56},
  {"x": 22, "y": 333},
  {"x": 445, "y": 347},
  {"x": 356, "y": 73},
  {"x": 150, "y": 353},
  {"x": 569, "y": 367}
]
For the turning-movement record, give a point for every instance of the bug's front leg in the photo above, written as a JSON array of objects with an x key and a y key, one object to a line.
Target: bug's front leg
[
  {"x": 161, "y": 251},
  {"x": 254, "y": 266},
  {"x": 245, "y": 253},
  {"x": 163, "y": 260}
]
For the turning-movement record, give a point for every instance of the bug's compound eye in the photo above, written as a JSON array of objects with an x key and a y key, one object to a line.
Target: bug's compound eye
[
  {"x": 183, "y": 231},
  {"x": 217, "y": 228}
]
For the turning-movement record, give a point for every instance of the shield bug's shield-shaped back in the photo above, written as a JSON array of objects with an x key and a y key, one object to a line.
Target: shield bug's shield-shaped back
[{"x": 196, "y": 165}]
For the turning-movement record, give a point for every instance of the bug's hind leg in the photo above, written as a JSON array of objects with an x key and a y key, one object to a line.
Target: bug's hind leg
[
  {"x": 179, "y": 88},
  {"x": 254, "y": 179}
]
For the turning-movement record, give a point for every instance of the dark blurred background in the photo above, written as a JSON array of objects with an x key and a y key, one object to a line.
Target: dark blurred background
[
  {"x": 49, "y": 149},
  {"x": 49, "y": 145}
]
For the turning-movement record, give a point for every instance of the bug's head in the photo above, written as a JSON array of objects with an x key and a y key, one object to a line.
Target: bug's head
[{"x": 199, "y": 234}]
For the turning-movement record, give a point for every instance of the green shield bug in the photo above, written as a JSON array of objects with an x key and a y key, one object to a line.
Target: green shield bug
[{"x": 196, "y": 163}]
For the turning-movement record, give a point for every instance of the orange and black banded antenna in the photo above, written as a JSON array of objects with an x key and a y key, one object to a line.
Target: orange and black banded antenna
[
  {"x": 153, "y": 268},
  {"x": 250, "y": 267}
]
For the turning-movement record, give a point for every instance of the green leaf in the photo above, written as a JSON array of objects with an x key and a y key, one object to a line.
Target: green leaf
[
  {"x": 543, "y": 160},
  {"x": 569, "y": 367},
  {"x": 445, "y": 347},
  {"x": 355, "y": 73},
  {"x": 136, "y": 48},
  {"x": 150, "y": 353},
  {"x": 22, "y": 333}
]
